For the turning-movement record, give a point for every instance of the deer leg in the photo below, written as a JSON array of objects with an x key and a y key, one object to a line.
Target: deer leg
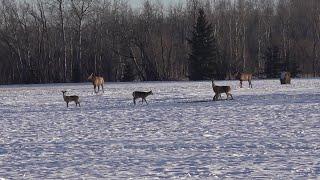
[
  {"x": 94, "y": 87},
  {"x": 240, "y": 84},
  {"x": 102, "y": 88},
  {"x": 145, "y": 100},
  {"x": 250, "y": 84},
  {"x": 67, "y": 104},
  {"x": 98, "y": 88},
  {"x": 215, "y": 97},
  {"x": 134, "y": 101}
]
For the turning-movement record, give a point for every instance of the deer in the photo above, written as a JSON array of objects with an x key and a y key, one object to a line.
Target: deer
[
  {"x": 218, "y": 90},
  {"x": 68, "y": 99},
  {"x": 285, "y": 78},
  {"x": 142, "y": 95},
  {"x": 244, "y": 77},
  {"x": 97, "y": 81}
]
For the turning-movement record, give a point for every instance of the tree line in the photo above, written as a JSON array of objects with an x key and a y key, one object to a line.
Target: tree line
[{"x": 46, "y": 41}]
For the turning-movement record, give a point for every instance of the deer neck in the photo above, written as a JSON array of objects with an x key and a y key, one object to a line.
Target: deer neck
[{"x": 213, "y": 85}]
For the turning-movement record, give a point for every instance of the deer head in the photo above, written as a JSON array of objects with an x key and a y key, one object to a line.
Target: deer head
[
  {"x": 212, "y": 80},
  {"x": 91, "y": 76}
]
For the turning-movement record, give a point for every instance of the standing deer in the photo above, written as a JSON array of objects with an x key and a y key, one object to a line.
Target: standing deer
[
  {"x": 68, "y": 99},
  {"x": 142, "y": 95},
  {"x": 244, "y": 77},
  {"x": 97, "y": 81},
  {"x": 285, "y": 78},
  {"x": 218, "y": 90}
]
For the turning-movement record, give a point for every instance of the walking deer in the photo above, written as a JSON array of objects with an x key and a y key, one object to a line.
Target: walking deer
[
  {"x": 68, "y": 99},
  {"x": 218, "y": 90},
  {"x": 142, "y": 95},
  {"x": 97, "y": 81},
  {"x": 244, "y": 77}
]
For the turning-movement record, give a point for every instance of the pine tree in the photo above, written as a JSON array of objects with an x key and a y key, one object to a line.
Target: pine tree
[
  {"x": 291, "y": 65},
  {"x": 274, "y": 64},
  {"x": 294, "y": 67},
  {"x": 204, "y": 57},
  {"x": 128, "y": 74}
]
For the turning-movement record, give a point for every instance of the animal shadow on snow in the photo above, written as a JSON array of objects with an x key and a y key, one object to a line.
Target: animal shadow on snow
[
  {"x": 278, "y": 99},
  {"x": 268, "y": 99}
]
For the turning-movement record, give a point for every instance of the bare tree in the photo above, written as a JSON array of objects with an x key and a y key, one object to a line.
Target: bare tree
[
  {"x": 80, "y": 8},
  {"x": 61, "y": 4},
  {"x": 65, "y": 40}
]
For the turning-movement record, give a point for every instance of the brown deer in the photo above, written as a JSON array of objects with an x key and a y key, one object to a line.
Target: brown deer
[
  {"x": 244, "y": 77},
  {"x": 142, "y": 95},
  {"x": 68, "y": 99},
  {"x": 97, "y": 81},
  {"x": 218, "y": 90},
  {"x": 285, "y": 78}
]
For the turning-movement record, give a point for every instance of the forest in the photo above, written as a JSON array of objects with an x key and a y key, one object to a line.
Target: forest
[{"x": 50, "y": 41}]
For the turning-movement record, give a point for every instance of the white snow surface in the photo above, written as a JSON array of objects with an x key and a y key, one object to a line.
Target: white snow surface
[{"x": 271, "y": 131}]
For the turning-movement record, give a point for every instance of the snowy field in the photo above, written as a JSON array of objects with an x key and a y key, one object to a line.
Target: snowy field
[{"x": 270, "y": 132}]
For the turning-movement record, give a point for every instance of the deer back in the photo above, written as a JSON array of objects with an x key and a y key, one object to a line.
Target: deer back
[
  {"x": 97, "y": 80},
  {"x": 221, "y": 89},
  {"x": 244, "y": 76},
  {"x": 71, "y": 98},
  {"x": 141, "y": 94},
  {"x": 226, "y": 88}
]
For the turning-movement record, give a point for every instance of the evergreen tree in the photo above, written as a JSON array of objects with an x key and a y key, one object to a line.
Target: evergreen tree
[
  {"x": 204, "y": 57},
  {"x": 274, "y": 64},
  {"x": 128, "y": 73},
  {"x": 294, "y": 67},
  {"x": 291, "y": 65}
]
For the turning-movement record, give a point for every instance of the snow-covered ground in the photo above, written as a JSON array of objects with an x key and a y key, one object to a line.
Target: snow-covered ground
[{"x": 270, "y": 131}]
